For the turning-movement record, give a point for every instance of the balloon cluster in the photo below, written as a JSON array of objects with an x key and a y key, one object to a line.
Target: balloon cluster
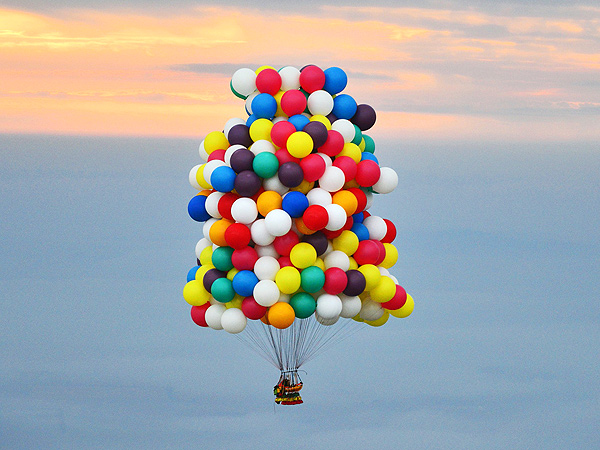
[{"x": 284, "y": 197}]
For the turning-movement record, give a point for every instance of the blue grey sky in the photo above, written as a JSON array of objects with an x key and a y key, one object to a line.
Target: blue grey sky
[{"x": 498, "y": 245}]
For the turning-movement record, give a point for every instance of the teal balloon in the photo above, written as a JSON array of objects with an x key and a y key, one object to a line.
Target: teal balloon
[
  {"x": 221, "y": 258},
  {"x": 265, "y": 164},
  {"x": 222, "y": 290},
  {"x": 358, "y": 136},
  {"x": 304, "y": 304},
  {"x": 312, "y": 279},
  {"x": 369, "y": 144}
]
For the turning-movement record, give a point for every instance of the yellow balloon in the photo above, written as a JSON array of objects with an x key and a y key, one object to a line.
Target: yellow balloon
[
  {"x": 352, "y": 151},
  {"x": 362, "y": 145},
  {"x": 202, "y": 271},
  {"x": 303, "y": 255},
  {"x": 232, "y": 273},
  {"x": 346, "y": 242},
  {"x": 261, "y": 129},
  {"x": 351, "y": 184},
  {"x": 391, "y": 256},
  {"x": 384, "y": 291},
  {"x": 261, "y": 68},
  {"x": 371, "y": 274},
  {"x": 195, "y": 294},
  {"x": 406, "y": 309},
  {"x": 235, "y": 303},
  {"x": 320, "y": 264},
  {"x": 321, "y": 118},
  {"x": 377, "y": 323},
  {"x": 206, "y": 256},
  {"x": 300, "y": 144},
  {"x": 279, "y": 112},
  {"x": 288, "y": 279},
  {"x": 200, "y": 177},
  {"x": 215, "y": 140},
  {"x": 304, "y": 187},
  {"x": 353, "y": 263},
  {"x": 357, "y": 318}
]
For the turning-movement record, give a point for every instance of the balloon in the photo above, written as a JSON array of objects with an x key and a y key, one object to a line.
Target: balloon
[
  {"x": 320, "y": 102},
  {"x": 344, "y": 106},
  {"x": 290, "y": 174},
  {"x": 215, "y": 140},
  {"x": 364, "y": 117},
  {"x": 333, "y": 179},
  {"x": 241, "y": 160},
  {"x": 244, "y": 258},
  {"x": 233, "y": 321},
  {"x": 213, "y": 316},
  {"x": 194, "y": 293},
  {"x": 338, "y": 259},
  {"x": 376, "y": 226},
  {"x": 329, "y": 306},
  {"x": 367, "y": 173},
  {"x": 278, "y": 222},
  {"x": 303, "y": 255},
  {"x": 381, "y": 321},
  {"x": 406, "y": 310},
  {"x": 210, "y": 276},
  {"x": 312, "y": 279},
  {"x": 351, "y": 306},
  {"x": 390, "y": 234},
  {"x": 299, "y": 121},
  {"x": 260, "y": 235},
  {"x": 288, "y": 279},
  {"x": 290, "y": 78},
  {"x": 335, "y": 281},
  {"x": 266, "y": 268},
  {"x": 345, "y": 128},
  {"x": 261, "y": 129},
  {"x": 294, "y": 203},
  {"x": 197, "y": 209},
  {"x": 239, "y": 134},
  {"x": 223, "y": 178},
  {"x": 281, "y": 131},
  {"x": 318, "y": 133},
  {"x": 247, "y": 183},
  {"x": 334, "y": 143},
  {"x": 371, "y": 310},
  {"x": 397, "y": 301},
  {"x": 335, "y": 80},
  {"x": 299, "y": 144},
  {"x": 222, "y": 290},
  {"x": 281, "y": 315},
  {"x": 284, "y": 244},
  {"x": 303, "y": 304},
  {"x": 315, "y": 217},
  {"x": 293, "y": 102},
  {"x": 244, "y": 282},
  {"x": 384, "y": 291},
  {"x": 318, "y": 240},
  {"x": 268, "y": 81},
  {"x": 356, "y": 283},
  {"x": 198, "y": 314},
  {"x": 244, "y": 81},
  {"x": 312, "y": 78},
  {"x": 251, "y": 309},
  {"x": 266, "y": 293}
]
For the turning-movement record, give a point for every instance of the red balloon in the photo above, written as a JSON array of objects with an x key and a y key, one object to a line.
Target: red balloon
[
  {"x": 280, "y": 132},
  {"x": 361, "y": 197},
  {"x": 268, "y": 81},
  {"x": 244, "y": 258},
  {"x": 284, "y": 244},
  {"x": 367, "y": 173},
  {"x": 225, "y": 203},
  {"x": 382, "y": 252},
  {"x": 397, "y": 301},
  {"x": 367, "y": 252},
  {"x": 198, "y": 314},
  {"x": 313, "y": 167},
  {"x": 217, "y": 154},
  {"x": 293, "y": 102},
  {"x": 334, "y": 143},
  {"x": 237, "y": 236},
  {"x": 283, "y": 156},
  {"x": 253, "y": 310},
  {"x": 335, "y": 280},
  {"x": 312, "y": 78},
  {"x": 331, "y": 234},
  {"x": 284, "y": 261},
  {"x": 315, "y": 217},
  {"x": 391, "y": 232},
  {"x": 347, "y": 165}
]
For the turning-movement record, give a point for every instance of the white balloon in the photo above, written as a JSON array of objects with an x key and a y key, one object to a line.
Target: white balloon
[
  {"x": 333, "y": 179},
  {"x": 206, "y": 228},
  {"x": 232, "y": 123},
  {"x": 369, "y": 195},
  {"x": 326, "y": 158},
  {"x": 201, "y": 245},
  {"x": 266, "y": 293},
  {"x": 320, "y": 102},
  {"x": 266, "y": 268},
  {"x": 394, "y": 279},
  {"x": 318, "y": 196},
  {"x": 345, "y": 128},
  {"x": 213, "y": 316},
  {"x": 371, "y": 310},
  {"x": 337, "y": 217},
  {"x": 329, "y": 306},
  {"x": 274, "y": 184},
  {"x": 290, "y": 78},
  {"x": 192, "y": 177},
  {"x": 351, "y": 306},
  {"x": 202, "y": 151},
  {"x": 212, "y": 204},
  {"x": 243, "y": 81},
  {"x": 233, "y": 320},
  {"x": 266, "y": 250},
  {"x": 326, "y": 322},
  {"x": 284, "y": 298},
  {"x": 337, "y": 258},
  {"x": 388, "y": 181},
  {"x": 383, "y": 271},
  {"x": 244, "y": 210},
  {"x": 376, "y": 226},
  {"x": 259, "y": 233},
  {"x": 262, "y": 145},
  {"x": 210, "y": 167},
  {"x": 278, "y": 222},
  {"x": 249, "y": 102}
]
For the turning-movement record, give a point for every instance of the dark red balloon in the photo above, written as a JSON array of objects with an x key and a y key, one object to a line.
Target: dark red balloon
[
  {"x": 367, "y": 252},
  {"x": 334, "y": 143},
  {"x": 284, "y": 244},
  {"x": 253, "y": 310},
  {"x": 313, "y": 167},
  {"x": 244, "y": 258},
  {"x": 336, "y": 281},
  {"x": 391, "y": 232},
  {"x": 198, "y": 314},
  {"x": 397, "y": 301}
]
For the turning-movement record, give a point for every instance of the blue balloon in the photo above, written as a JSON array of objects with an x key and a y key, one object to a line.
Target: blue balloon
[
  {"x": 244, "y": 282},
  {"x": 335, "y": 80},
  {"x": 370, "y": 156},
  {"x": 361, "y": 231},
  {"x": 294, "y": 203},
  {"x": 299, "y": 121},
  {"x": 250, "y": 120},
  {"x": 192, "y": 273},
  {"x": 197, "y": 208},
  {"x": 358, "y": 217},
  {"x": 344, "y": 106},
  {"x": 223, "y": 179},
  {"x": 264, "y": 106}
]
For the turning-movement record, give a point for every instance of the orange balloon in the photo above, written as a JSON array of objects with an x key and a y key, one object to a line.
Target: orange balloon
[
  {"x": 281, "y": 315},
  {"x": 217, "y": 232},
  {"x": 346, "y": 200},
  {"x": 267, "y": 202},
  {"x": 302, "y": 228}
]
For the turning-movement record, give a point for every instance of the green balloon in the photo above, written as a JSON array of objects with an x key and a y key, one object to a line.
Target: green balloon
[
  {"x": 358, "y": 136},
  {"x": 312, "y": 279},
  {"x": 265, "y": 164},
  {"x": 303, "y": 304},
  {"x": 221, "y": 258},
  {"x": 222, "y": 290},
  {"x": 369, "y": 144}
]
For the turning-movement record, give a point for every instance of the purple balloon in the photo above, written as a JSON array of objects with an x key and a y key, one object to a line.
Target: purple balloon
[
  {"x": 365, "y": 117},
  {"x": 332, "y": 118},
  {"x": 210, "y": 276},
  {"x": 318, "y": 240},
  {"x": 247, "y": 183},
  {"x": 356, "y": 283},
  {"x": 290, "y": 174},
  {"x": 239, "y": 134},
  {"x": 317, "y": 131},
  {"x": 241, "y": 160}
]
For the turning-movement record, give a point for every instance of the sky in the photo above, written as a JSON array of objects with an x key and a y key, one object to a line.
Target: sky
[{"x": 488, "y": 111}]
